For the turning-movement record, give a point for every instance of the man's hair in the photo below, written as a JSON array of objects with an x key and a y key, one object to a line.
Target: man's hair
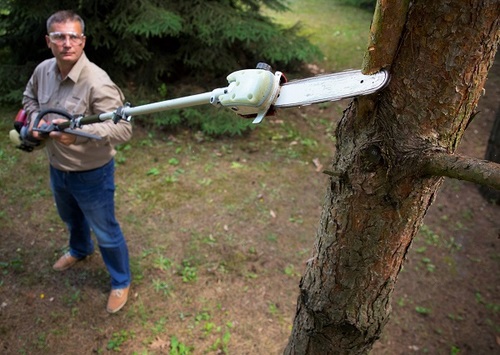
[{"x": 65, "y": 16}]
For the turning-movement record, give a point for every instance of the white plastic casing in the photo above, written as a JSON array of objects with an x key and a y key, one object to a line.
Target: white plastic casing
[{"x": 251, "y": 92}]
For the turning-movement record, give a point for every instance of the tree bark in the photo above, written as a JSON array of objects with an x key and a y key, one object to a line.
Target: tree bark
[
  {"x": 483, "y": 172},
  {"x": 380, "y": 187}
]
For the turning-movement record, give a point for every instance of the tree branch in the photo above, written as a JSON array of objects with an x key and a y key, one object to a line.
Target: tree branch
[
  {"x": 385, "y": 34},
  {"x": 482, "y": 172}
]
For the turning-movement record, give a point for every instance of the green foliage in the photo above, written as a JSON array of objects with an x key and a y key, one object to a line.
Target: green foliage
[
  {"x": 141, "y": 44},
  {"x": 118, "y": 339},
  {"x": 178, "y": 348},
  {"x": 211, "y": 121},
  {"x": 363, "y": 4},
  {"x": 423, "y": 310}
]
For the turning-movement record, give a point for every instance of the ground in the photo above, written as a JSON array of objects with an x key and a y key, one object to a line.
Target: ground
[{"x": 219, "y": 232}]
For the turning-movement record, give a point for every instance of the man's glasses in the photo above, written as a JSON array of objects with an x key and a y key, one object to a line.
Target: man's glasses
[{"x": 59, "y": 38}]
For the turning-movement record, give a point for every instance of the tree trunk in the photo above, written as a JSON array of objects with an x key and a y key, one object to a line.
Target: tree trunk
[{"x": 381, "y": 187}]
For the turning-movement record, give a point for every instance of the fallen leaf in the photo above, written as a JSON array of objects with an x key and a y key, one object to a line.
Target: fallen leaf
[{"x": 159, "y": 344}]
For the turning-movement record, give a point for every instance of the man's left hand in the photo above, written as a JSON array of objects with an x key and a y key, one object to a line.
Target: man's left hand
[{"x": 61, "y": 137}]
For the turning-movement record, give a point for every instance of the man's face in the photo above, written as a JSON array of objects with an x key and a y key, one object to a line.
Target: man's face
[{"x": 66, "y": 42}]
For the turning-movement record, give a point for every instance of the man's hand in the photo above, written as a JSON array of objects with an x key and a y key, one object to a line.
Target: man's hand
[
  {"x": 61, "y": 137},
  {"x": 35, "y": 134}
]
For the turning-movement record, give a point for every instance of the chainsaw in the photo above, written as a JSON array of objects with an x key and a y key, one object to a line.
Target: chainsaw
[{"x": 251, "y": 93}]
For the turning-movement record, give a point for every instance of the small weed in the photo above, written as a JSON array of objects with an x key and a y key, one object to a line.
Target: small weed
[
  {"x": 178, "y": 348},
  {"x": 41, "y": 342},
  {"x": 236, "y": 165},
  {"x": 153, "y": 172},
  {"x": 209, "y": 239},
  {"x": 468, "y": 214},
  {"x": 162, "y": 263},
  {"x": 120, "y": 159},
  {"x": 136, "y": 270},
  {"x": 17, "y": 263},
  {"x": 297, "y": 219},
  {"x": 162, "y": 286},
  {"x": 173, "y": 161},
  {"x": 147, "y": 142},
  {"x": 272, "y": 238},
  {"x": 205, "y": 182},
  {"x": 159, "y": 326},
  {"x": 202, "y": 316},
  {"x": 308, "y": 142},
  {"x": 430, "y": 237},
  {"x": 175, "y": 176},
  {"x": 455, "y": 317},
  {"x": 273, "y": 309},
  {"x": 428, "y": 264},
  {"x": 422, "y": 310},
  {"x": 290, "y": 271},
  {"x": 118, "y": 339},
  {"x": 221, "y": 343},
  {"x": 453, "y": 245},
  {"x": 495, "y": 256},
  {"x": 73, "y": 298},
  {"x": 421, "y": 250},
  {"x": 251, "y": 275},
  {"x": 188, "y": 272},
  {"x": 209, "y": 327},
  {"x": 495, "y": 308},
  {"x": 171, "y": 179},
  {"x": 459, "y": 226}
]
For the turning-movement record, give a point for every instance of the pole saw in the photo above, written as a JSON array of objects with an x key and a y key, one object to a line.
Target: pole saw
[{"x": 251, "y": 93}]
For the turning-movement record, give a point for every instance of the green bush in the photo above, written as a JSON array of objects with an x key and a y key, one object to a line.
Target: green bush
[
  {"x": 364, "y": 4},
  {"x": 142, "y": 44},
  {"x": 213, "y": 122},
  {"x": 145, "y": 44}
]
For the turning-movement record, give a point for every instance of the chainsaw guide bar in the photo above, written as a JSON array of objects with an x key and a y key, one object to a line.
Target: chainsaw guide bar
[{"x": 330, "y": 87}]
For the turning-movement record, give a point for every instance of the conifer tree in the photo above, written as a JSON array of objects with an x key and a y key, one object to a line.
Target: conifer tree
[{"x": 151, "y": 40}]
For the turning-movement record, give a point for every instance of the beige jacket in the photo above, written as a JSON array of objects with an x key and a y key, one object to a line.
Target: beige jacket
[{"x": 86, "y": 90}]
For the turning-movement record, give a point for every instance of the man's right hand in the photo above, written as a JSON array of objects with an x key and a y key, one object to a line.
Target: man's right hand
[{"x": 35, "y": 134}]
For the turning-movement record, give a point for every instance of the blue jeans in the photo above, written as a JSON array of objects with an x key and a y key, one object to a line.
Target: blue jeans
[{"x": 85, "y": 202}]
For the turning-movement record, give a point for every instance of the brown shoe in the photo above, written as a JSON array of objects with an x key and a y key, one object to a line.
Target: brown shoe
[
  {"x": 65, "y": 262},
  {"x": 117, "y": 299}
]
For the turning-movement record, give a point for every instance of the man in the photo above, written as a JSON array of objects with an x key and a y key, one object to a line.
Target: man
[{"x": 82, "y": 169}]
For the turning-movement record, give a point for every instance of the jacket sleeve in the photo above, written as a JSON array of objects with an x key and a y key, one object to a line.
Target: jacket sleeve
[
  {"x": 30, "y": 98},
  {"x": 104, "y": 99}
]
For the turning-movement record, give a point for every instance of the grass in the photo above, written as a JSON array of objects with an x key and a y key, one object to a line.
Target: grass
[
  {"x": 344, "y": 29},
  {"x": 210, "y": 225}
]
